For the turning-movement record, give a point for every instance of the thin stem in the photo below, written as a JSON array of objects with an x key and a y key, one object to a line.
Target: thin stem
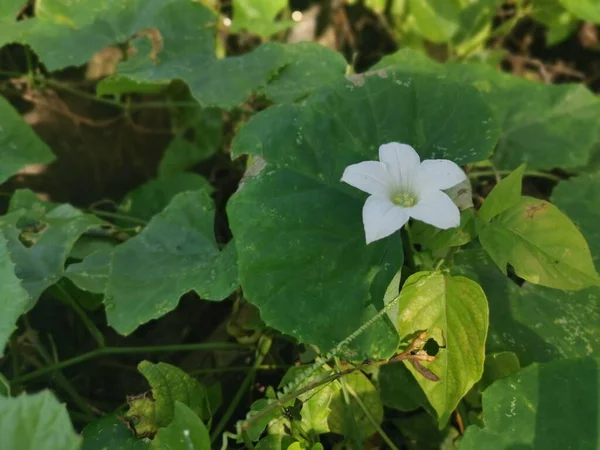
[
  {"x": 264, "y": 346},
  {"x": 528, "y": 173},
  {"x": 68, "y": 300},
  {"x": 406, "y": 354},
  {"x": 62, "y": 381},
  {"x": 111, "y": 215},
  {"x": 370, "y": 418},
  {"x": 65, "y": 87},
  {"x": 104, "y": 351},
  {"x": 265, "y": 367}
]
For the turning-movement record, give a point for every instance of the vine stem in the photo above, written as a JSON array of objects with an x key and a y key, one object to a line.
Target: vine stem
[
  {"x": 405, "y": 355},
  {"x": 529, "y": 173},
  {"x": 104, "y": 351},
  {"x": 264, "y": 346},
  {"x": 68, "y": 300}
]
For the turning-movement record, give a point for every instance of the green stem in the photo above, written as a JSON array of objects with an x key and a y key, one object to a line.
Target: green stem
[
  {"x": 104, "y": 351},
  {"x": 528, "y": 173},
  {"x": 68, "y": 300},
  {"x": 62, "y": 381},
  {"x": 264, "y": 346},
  {"x": 370, "y": 417},
  {"x": 111, "y": 215},
  {"x": 238, "y": 369}
]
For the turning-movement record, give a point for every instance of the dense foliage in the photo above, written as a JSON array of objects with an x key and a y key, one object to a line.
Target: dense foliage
[{"x": 181, "y": 266}]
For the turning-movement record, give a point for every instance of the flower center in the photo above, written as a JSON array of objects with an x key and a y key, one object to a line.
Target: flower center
[{"x": 405, "y": 199}]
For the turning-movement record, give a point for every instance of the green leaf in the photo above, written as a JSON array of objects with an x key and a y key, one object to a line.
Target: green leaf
[
  {"x": 399, "y": 388},
  {"x": 176, "y": 253},
  {"x": 40, "y": 244},
  {"x": 315, "y": 404},
  {"x": 349, "y": 418},
  {"x": 36, "y": 422},
  {"x": 69, "y": 32},
  {"x": 258, "y": 16},
  {"x": 13, "y": 298},
  {"x": 504, "y": 196},
  {"x": 559, "y": 22},
  {"x": 311, "y": 66},
  {"x": 546, "y": 126},
  {"x": 536, "y": 323},
  {"x": 19, "y": 145},
  {"x": 542, "y": 245},
  {"x": 27, "y": 199},
  {"x": 475, "y": 25},
  {"x": 454, "y": 312},
  {"x": 185, "y": 432},
  {"x": 206, "y": 126},
  {"x": 579, "y": 198},
  {"x": 169, "y": 385},
  {"x": 92, "y": 273},
  {"x": 499, "y": 365},
  {"x": 152, "y": 197},
  {"x": 108, "y": 433},
  {"x": 4, "y": 386},
  {"x": 435, "y": 20},
  {"x": 432, "y": 238},
  {"x": 257, "y": 427},
  {"x": 586, "y": 9},
  {"x": 275, "y": 442},
  {"x": 549, "y": 406},
  {"x": 298, "y": 229}
]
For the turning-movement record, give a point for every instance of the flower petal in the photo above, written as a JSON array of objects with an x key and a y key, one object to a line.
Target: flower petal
[
  {"x": 368, "y": 176},
  {"x": 381, "y": 218},
  {"x": 402, "y": 162},
  {"x": 437, "y": 209},
  {"x": 440, "y": 174}
]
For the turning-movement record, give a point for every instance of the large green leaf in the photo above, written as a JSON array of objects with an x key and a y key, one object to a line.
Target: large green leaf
[
  {"x": 579, "y": 198},
  {"x": 505, "y": 195},
  {"x": 310, "y": 67},
  {"x": 542, "y": 245},
  {"x": 454, "y": 312},
  {"x": 586, "y": 9},
  {"x": 258, "y": 16},
  {"x": 204, "y": 127},
  {"x": 176, "y": 253},
  {"x": 109, "y": 433},
  {"x": 552, "y": 406},
  {"x": 36, "y": 422},
  {"x": 546, "y": 126},
  {"x": 19, "y": 145},
  {"x": 537, "y": 323},
  {"x": 147, "y": 200},
  {"x": 399, "y": 388},
  {"x": 349, "y": 419},
  {"x": 68, "y": 32},
  {"x": 40, "y": 244},
  {"x": 436, "y": 20},
  {"x": 13, "y": 298},
  {"x": 298, "y": 229},
  {"x": 169, "y": 385},
  {"x": 91, "y": 274},
  {"x": 185, "y": 432}
]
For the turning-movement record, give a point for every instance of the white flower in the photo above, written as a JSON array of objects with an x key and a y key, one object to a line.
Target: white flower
[{"x": 401, "y": 187}]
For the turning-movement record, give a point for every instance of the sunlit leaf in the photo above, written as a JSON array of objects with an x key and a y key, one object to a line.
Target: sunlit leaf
[
  {"x": 298, "y": 229},
  {"x": 505, "y": 195},
  {"x": 436, "y": 20},
  {"x": 258, "y": 16},
  {"x": 454, "y": 312},
  {"x": 542, "y": 245},
  {"x": 349, "y": 418},
  {"x": 176, "y": 253},
  {"x": 585, "y": 9},
  {"x": 548, "y": 406},
  {"x": 36, "y": 422}
]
